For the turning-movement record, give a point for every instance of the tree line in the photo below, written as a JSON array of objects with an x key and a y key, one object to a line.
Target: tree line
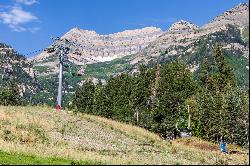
[{"x": 157, "y": 99}]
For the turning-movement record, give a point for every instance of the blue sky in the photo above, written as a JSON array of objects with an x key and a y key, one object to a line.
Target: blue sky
[{"x": 27, "y": 25}]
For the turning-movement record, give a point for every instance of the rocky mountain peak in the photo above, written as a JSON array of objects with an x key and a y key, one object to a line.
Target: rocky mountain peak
[
  {"x": 89, "y": 47},
  {"x": 77, "y": 32},
  {"x": 241, "y": 6},
  {"x": 183, "y": 26},
  {"x": 239, "y": 16}
]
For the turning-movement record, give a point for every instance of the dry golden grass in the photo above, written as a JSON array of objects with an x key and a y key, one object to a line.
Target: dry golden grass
[{"x": 44, "y": 132}]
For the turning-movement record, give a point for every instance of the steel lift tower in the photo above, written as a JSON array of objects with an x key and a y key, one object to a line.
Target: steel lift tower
[{"x": 60, "y": 47}]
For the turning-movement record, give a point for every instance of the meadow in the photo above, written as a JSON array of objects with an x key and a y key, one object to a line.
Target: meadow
[{"x": 40, "y": 135}]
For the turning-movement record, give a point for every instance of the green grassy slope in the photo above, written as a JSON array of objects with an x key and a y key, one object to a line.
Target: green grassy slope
[
  {"x": 103, "y": 70},
  {"x": 22, "y": 159},
  {"x": 36, "y": 135}
]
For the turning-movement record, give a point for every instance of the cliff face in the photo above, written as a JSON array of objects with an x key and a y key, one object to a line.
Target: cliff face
[
  {"x": 239, "y": 16},
  {"x": 90, "y": 47},
  {"x": 184, "y": 37}
]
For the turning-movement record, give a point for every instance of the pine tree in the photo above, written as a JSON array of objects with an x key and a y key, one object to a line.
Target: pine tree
[
  {"x": 140, "y": 96},
  {"x": 204, "y": 73},
  {"x": 175, "y": 86},
  {"x": 104, "y": 99},
  {"x": 10, "y": 95},
  {"x": 84, "y": 97},
  {"x": 224, "y": 75},
  {"x": 121, "y": 89},
  {"x": 98, "y": 99},
  {"x": 234, "y": 113},
  {"x": 210, "y": 114},
  {"x": 220, "y": 103}
]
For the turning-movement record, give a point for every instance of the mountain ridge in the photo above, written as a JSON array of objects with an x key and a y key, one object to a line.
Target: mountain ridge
[
  {"x": 112, "y": 46},
  {"x": 183, "y": 36},
  {"x": 102, "y": 45}
]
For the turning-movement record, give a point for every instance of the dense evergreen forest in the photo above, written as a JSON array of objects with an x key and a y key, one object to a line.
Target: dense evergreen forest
[{"x": 158, "y": 99}]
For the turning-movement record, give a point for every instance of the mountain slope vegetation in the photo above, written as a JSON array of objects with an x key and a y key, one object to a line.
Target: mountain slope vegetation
[{"x": 16, "y": 70}]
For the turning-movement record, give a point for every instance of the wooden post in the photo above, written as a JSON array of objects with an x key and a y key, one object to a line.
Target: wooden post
[
  {"x": 189, "y": 118},
  {"x": 137, "y": 116}
]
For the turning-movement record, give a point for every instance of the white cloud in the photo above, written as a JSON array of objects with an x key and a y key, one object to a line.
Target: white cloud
[
  {"x": 27, "y": 2},
  {"x": 16, "y": 17},
  {"x": 33, "y": 29},
  {"x": 17, "y": 28}
]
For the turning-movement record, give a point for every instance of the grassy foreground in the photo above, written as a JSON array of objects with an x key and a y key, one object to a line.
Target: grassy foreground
[
  {"x": 21, "y": 159},
  {"x": 39, "y": 135}
]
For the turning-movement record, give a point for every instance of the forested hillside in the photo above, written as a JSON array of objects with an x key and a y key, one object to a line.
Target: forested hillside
[
  {"x": 158, "y": 99},
  {"x": 17, "y": 81}
]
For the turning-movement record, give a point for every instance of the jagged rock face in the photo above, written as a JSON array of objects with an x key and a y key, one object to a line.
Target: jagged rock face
[
  {"x": 238, "y": 16},
  {"x": 90, "y": 47},
  {"x": 182, "y": 37},
  {"x": 183, "y": 26}
]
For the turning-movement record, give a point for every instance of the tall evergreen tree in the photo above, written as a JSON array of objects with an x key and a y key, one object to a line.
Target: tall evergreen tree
[
  {"x": 98, "y": 99},
  {"x": 84, "y": 97},
  {"x": 204, "y": 73},
  {"x": 105, "y": 99},
  {"x": 221, "y": 104},
  {"x": 234, "y": 113},
  {"x": 224, "y": 75},
  {"x": 175, "y": 86},
  {"x": 140, "y": 96},
  {"x": 121, "y": 89},
  {"x": 10, "y": 95}
]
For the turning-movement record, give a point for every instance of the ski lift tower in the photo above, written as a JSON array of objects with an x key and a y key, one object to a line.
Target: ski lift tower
[{"x": 60, "y": 47}]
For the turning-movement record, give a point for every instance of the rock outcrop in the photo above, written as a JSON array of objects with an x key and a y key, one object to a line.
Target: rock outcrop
[{"x": 183, "y": 26}]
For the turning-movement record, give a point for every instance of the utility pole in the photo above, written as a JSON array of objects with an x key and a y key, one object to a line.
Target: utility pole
[{"x": 189, "y": 117}]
